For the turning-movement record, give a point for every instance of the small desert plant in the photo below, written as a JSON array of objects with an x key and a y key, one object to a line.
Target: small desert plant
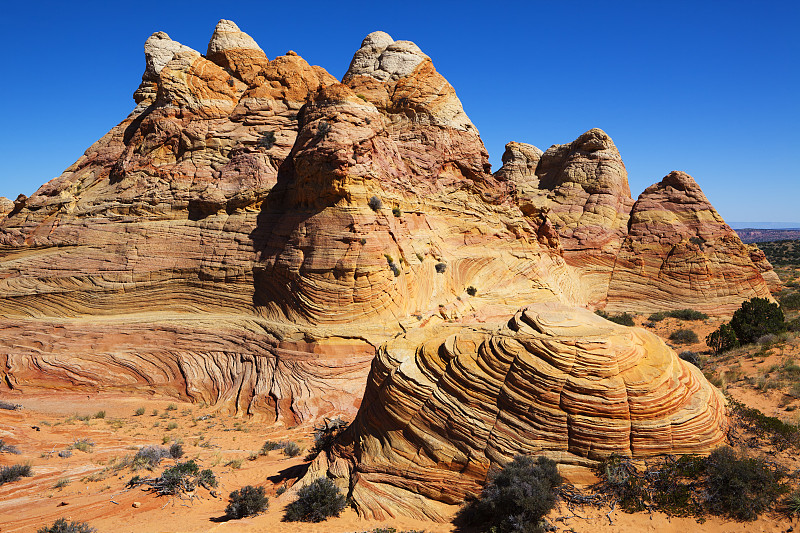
[
  {"x": 99, "y": 414},
  {"x": 280, "y": 490},
  {"x": 10, "y": 406},
  {"x": 791, "y": 301},
  {"x": 291, "y": 449},
  {"x": 691, "y": 357},
  {"x": 172, "y": 425},
  {"x": 62, "y": 526},
  {"x": 8, "y": 448},
  {"x": 183, "y": 477},
  {"x": 375, "y": 203},
  {"x": 14, "y": 472},
  {"x": 776, "y": 431},
  {"x": 315, "y": 502},
  {"x": 149, "y": 456},
  {"x": 247, "y": 501},
  {"x": 176, "y": 450},
  {"x": 516, "y": 498},
  {"x": 741, "y": 487},
  {"x": 790, "y": 506},
  {"x": 236, "y": 464},
  {"x": 441, "y": 267},
  {"x": 84, "y": 445},
  {"x": 472, "y": 291},
  {"x": 397, "y": 212},
  {"x": 172, "y": 407},
  {"x": 687, "y": 314},
  {"x": 623, "y": 319},
  {"x": 322, "y": 129},
  {"x": 657, "y": 317},
  {"x": 61, "y": 483},
  {"x": 684, "y": 336},
  {"x": 722, "y": 339},
  {"x": 139, "y": 411},
  {"x": 267, "y": 140},
  {"x": 269, "y": 446}
]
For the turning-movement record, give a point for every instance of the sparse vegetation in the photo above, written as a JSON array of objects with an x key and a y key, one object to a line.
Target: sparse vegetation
[
  {"x": 267, "y": 140},
  {"x": 149, "y": 457},
  {"x": 8, "y": 448},
  {"x": 441, "y": 267},
  {"x": 774, "y": 430},
  {"x": 624, "y": 319},
  {"x": 325, "y": 435},
  {"x": 171, "y": 407},
  {"x": 692, "y": 357},
  {"x": 10, "y": 406},
  {"x": 247, "y": 501},
  {"x": 62, "y": 526},
  {"x": 722, "y": 339},
  {"x": 176, "y": 450},
  {"x": 517, "y": 498},
  {"x": 183, "y": 477},
  {"x": 315, "y": 502},
  {"x": 397, "y": 212},
  {"x": 684, "y": 336},
  {"x": 14, "y": 472},
  {"x": 291, "y": 449},
  {"x": 236, "y": 464},
  {"x": 139, "y": 412},
  {"x": 269, "y": 446},
  {"x": 84, "y": 445},
  {"x": 99, "y": 414},
  {"x": 61, "y": 483},
  {"x": 472, "y": 291},
  {"x": 680, "y": 314},
  {"x": 375, "y": 203}
]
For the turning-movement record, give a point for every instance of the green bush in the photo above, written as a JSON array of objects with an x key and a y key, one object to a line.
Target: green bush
[
  {"x": 269, "y": 446},
  {"x": 247, "y": 501},
  {"x": 375, "y": 203},
  {"x": 139, "y": 411},
  {"x": 397, "y": 212},
  {"x": 776, "y": 431},
  {"x": 741, "y": 487},
  {"x": 624, "y": 319},
  {"x": 755, "y": 318},
  {"x": 791, "y": 301},
  {"x": 692, "y": 357},
  {"x": 149, "y": 456},
  {"x": 517, "y": 498},
  {"x": 684, "y": 336},
  {"x": 316, "y": 502},
  {"x": 62, "y": 526},
  {"x": 722, "y": 339},
  {"x": 14, "y": 472},
  {"x": 176, "y": 450}
]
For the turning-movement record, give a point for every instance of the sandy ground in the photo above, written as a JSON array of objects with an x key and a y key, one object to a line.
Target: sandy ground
[{"x": 93, "y": 491}]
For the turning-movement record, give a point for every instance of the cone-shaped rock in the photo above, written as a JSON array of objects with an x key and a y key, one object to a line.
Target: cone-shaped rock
[
  {"x": 680, "y": 253},
  {"x": 236, "y": 52}
]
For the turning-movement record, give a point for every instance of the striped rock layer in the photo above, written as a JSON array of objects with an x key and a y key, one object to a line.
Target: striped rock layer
[
  {"x": 219, "y": 243},
  {"x": 668, "y": 250},
  {"x": 442, "y": 406}
]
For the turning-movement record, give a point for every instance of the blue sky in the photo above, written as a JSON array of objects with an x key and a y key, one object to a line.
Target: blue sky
[{"x": 710, "y": 88}]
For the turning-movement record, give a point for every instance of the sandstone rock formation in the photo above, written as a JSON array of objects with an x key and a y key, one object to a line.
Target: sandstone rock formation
[
  {"x": 236, "y": 201},
  {"x": 581, "y": 190},
  {"x": 679, "y": 253},
  {"x": 6, "y": 206},
  {"x": 764, "y": 267},
  {"x": 441, "y": 406}
]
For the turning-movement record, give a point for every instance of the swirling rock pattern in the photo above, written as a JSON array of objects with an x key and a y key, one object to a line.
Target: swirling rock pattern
[
  {"x": 442, "y": 406},
  {"x": 235, "y": 197}
]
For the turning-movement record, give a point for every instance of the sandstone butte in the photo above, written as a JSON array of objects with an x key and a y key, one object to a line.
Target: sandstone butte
[{"x": 255, "y": 231}]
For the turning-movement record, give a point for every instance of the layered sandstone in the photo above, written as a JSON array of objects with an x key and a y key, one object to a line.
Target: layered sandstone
[
  {"x": 680, "y": 253},
  {"x": 582, "y": 189},
  {"x": 236, "y": 201},
  {"x": 6, "y": 206},
  {"x": 444, "y": 405}
]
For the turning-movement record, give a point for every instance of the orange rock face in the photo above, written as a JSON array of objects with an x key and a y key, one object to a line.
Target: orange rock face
[
  {"x": 442, "y": 406},
  {"x": 679, "y": 253},
  {"x": 235, "y": 201}
]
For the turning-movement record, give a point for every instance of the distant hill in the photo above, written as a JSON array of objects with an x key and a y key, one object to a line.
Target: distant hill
[{"x": 749, "y": 235}]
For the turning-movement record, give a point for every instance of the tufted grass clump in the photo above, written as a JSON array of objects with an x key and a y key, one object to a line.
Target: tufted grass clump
[
  {"x": 149, "y": 457},
  {"x": 139, "y": 411},
  {"x": 8, "y": 448},
  {"x": 315, "y": 502},
  {"x": 517, "y": 498},
  {"x": 247, "y": 501},
  {"x": 790, "y": 506},
  {"x": 14, "y": 472},
  {"x": 269, "y": 446},
  {"x": 84, "y": 445},
  {"x": 63, "y": 526},
  {"x": 375, "y": 203}
]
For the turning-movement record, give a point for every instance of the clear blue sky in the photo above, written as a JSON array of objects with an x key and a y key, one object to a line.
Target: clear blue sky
[{"x": 710, "y": 88}]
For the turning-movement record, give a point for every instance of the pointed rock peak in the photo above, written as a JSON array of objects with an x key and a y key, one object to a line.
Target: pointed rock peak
[
  {"x": 158, "y": 51},
  {"x": 385, "y": 59},
  {"x": 680, "y": 181},
  {"x": 228, "y": 36}
]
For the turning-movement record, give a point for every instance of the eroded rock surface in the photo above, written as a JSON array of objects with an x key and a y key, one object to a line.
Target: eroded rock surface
[
  {"x": 237, "y": 197},
  {"x": 442, "y": 406},
  {"x": 679, "y": 253}
]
